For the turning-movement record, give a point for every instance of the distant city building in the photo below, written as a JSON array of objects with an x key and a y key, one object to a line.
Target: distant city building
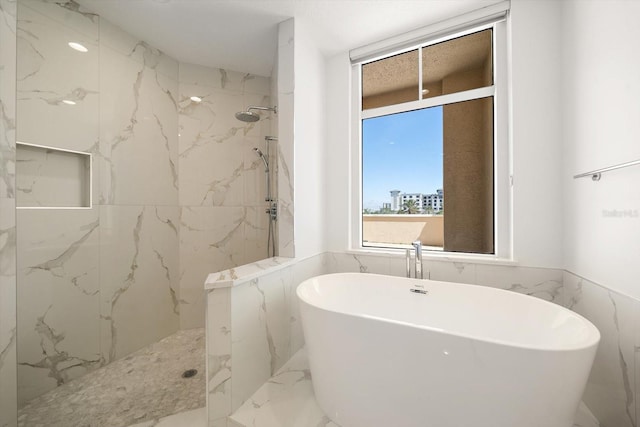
[
  {"x": 395, "y": 199},
  {"x": 433, "y": 202}
]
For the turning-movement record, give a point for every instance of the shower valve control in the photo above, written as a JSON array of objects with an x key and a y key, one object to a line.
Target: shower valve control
[{"x": 272, "y": 211}]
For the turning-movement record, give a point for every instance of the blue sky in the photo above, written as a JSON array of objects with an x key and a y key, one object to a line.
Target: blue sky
[{"x": 401, "y": 152}]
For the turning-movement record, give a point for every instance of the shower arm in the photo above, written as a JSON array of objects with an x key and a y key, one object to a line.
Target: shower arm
[{"x": 274, "y": 109}]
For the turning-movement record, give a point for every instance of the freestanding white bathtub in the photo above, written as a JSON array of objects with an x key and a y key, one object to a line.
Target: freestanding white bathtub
[{"x": 458, "y": 356}]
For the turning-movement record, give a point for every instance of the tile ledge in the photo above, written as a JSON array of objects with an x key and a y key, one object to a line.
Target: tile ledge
[
  {"x": 244, "y": 273},
  {"x": 430, "y": 256}
]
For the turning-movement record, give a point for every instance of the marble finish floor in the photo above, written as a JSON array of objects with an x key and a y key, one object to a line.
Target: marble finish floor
[
  {"x": 145, "y": 386},
  {"x": 287, "y": 400},
  {"x": 192, "y": 418}
]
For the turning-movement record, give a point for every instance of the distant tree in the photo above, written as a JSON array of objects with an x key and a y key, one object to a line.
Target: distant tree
[
  {"x": 428, "y": 210},
  {"x": 367, "y": 211},
  {"x": 409, "y": 207},
  {"x": 385, "y": 211}
]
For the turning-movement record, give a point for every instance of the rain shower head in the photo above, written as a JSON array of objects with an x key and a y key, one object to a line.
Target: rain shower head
[{"x": 249, "y": 116}]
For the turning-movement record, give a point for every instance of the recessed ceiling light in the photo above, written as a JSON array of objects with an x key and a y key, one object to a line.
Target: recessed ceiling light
[
  {"x": 68, "y": 102},
  {"x": 78, "y": 47},
  {"x": 196, "y": 99}
]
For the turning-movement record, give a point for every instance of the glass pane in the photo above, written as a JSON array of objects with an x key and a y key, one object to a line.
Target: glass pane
[
  {"x": 402, "y": 179},
  {"x": 411, "y": 160},
  {"x": 390, "y": 81},
  {"x": 468, "y": 176},
  {"x": 457, "y": 65}
]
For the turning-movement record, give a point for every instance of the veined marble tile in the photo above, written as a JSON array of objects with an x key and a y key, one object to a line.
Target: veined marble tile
[
  {"x": 247, "y": 272},
  {"x": 138, "y": 277},
  {"x": 52, "y": 178},
  {"x": 8, "y": 375},
  {"x": 139, "y": 142},
  {"x": 199, "y": 75},
  {"x": 260, "y": 325},
  {"x": 610, "y": 391},
  {"x": 347, "y": 262},
  {"x": 7, "y": 97},
  {"x": 285, "y": 180},
  {"x": 43, "y": 57},
  {"x": 544, "y": 283},
  {"x": 285, "y": 400},
  {"x": 124, "y": 43},
  {"x": 58, "y": 274},
  {"x": 218, "y": 354},
  {"x": 211, "y": 238},
  {"x": 302, "y": 270},
  {"x": 8, "y": 330},
  {"x": 213, "y": 150},
  {"x": 286, "y": 67},
  {"x": 255, "y": 177},
  {"x": 256, "y": 233},
  {"x": 450, "y": 271},
  {"x": 68, "y": 13},
  {"x": 286, "y": 242},
  {"x": 259, "y": 85},
  {"x": 192, "y": 418},
  {"x": 228, "y": 80}
]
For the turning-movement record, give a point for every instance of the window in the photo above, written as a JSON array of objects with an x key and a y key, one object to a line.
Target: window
[{"x": 432, "y": 145}]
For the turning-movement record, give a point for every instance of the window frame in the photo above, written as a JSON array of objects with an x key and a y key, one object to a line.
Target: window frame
[{"x": 503, "y": 181}]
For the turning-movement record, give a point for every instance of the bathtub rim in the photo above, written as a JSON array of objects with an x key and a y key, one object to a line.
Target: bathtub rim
[{"x": 592, "y": 341}]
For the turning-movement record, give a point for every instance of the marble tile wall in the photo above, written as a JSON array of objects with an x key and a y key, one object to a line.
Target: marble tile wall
[
  {"x": 285, "y": 88},
  {"x": 253, "y": 328},
  {"x": 138, "y": 193},
  {"x": 614, "y": 383},
  {"x": 539, "y": 282},
  {"x": 222, "y": 181},
  {"x": 57, "y": 249},
  {"x": 115, "y": 266},
  {"x": 8, "y": 375}
]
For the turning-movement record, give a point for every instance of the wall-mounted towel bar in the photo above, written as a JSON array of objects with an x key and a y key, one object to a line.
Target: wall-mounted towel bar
[{"x": 595, "y": 175}]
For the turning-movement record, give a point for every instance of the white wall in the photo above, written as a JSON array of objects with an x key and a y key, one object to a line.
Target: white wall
[
  {"x": 537, "y": 201},
  {"x": 537, "y": 146},
  {"x": 337, "y": 152},
  {"x": 309, "y": 129},
  {"x": 601, "y": 114}
]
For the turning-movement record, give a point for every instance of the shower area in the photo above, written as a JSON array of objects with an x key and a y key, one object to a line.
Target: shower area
[{"x": 135, "y": 178}]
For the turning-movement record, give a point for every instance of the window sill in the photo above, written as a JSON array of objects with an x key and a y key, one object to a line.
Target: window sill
[{"x": 436, "y": 256}]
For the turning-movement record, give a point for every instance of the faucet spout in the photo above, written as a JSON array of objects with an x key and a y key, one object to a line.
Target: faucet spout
[{"x": 418, "y": 270}]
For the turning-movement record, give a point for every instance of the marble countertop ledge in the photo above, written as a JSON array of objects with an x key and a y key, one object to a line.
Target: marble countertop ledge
[{"x": 244, "y": 273}]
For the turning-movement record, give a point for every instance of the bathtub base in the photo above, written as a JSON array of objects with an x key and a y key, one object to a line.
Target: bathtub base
[{"x": 287, "y": 400}]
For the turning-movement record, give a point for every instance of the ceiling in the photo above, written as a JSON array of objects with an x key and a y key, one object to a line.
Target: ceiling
[{"x": 241, "y": 35}]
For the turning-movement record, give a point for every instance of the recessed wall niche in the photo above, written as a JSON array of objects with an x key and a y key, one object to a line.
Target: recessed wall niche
[{"x": 52, "y": 178}]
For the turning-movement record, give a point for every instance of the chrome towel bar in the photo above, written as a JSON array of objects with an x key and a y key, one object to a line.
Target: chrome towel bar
[{"x": 595, "y": 175}]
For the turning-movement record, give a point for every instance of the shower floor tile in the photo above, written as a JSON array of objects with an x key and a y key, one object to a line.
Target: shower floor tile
[
  {"x": 143, "y": 386},
  {"x": 287, "y": 400}
]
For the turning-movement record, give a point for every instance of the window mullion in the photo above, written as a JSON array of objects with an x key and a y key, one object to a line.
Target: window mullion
[{"x": 452, "y": 98}]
